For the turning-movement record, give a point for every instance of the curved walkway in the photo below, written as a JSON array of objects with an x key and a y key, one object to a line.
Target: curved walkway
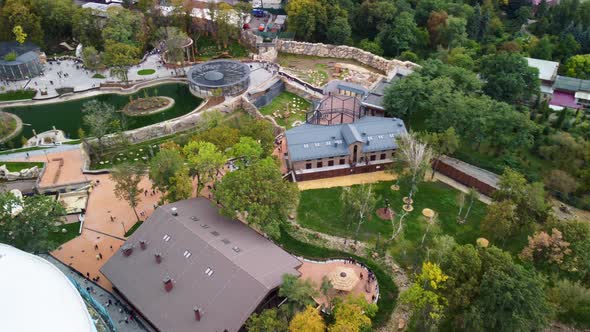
[
  {"x": 96, "y": 92},
  {"x": 361, "y": 249},
  {"x": 17, "y": 129}
]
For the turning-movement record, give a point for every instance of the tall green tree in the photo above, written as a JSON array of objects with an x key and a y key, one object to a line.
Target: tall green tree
[
  {"x": 299, "y": 292},
  {"x": 127, "y": 177},
  {"x": 508, "y": 77},
  {"x": 259, "y": 195},
  {"x": 247, "y": 150},
  {"x": 305, "y": 17},
  {"x": 358, "y": 203},
  {"x": 443, "y": 143},
  {"x": 29, "y": 222},
  {"x": 204, "y": 160},
  {"x": 163, "y": 168},
  {"x": 101, "y": 119},
  {"x": 267, "y": 320}
]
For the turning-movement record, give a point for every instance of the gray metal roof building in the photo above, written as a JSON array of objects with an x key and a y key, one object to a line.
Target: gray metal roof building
[
  {"x": 309, "y": 141},
  {"x": 374, "y": 98},
  {"x": 27, "y": 63},
  {"x": 571, "y": 84},
  {"x": 197, "y": 270}
]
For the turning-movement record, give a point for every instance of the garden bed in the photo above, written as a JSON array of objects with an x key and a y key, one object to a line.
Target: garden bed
[
  {"x": 17, "y": 95},
  {"x": 144, "y": 72},
  {"x": 147, "y": 106},
  {"x": 17, "y": 166}
]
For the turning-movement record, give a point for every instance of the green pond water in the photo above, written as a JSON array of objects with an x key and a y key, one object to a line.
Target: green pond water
[{"x": 67, "y": 116}]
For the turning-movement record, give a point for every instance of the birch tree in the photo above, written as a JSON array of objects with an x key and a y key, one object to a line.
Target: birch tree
[
  {"x": 358, "y": 202},
  {"x": 416, "y": 157}
]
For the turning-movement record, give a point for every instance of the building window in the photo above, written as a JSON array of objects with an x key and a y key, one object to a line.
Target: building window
[
  {"x": 382, "y": 156},
  {"x": 373, "y": 157},
  {"x": 308, "y": 166},
  {"x": 330, "y": 162},
  {"x": 342, "y": 161},
  {"x": 319, "y": 164}
]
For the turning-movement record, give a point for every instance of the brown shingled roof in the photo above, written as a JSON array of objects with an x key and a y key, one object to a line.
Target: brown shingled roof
[{"x": 218, "y": 265}]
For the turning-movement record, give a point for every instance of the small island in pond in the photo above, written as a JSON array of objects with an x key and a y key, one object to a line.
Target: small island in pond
[{"x": 148, "y": 105}]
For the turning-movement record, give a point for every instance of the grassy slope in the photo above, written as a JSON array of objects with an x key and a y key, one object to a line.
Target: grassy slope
[
  {"x": 61, "y": 238},
  {"x": 17, "y": 95},
  {"x": 280, "y": 102},
  {"x": 15, "y": 166},
  {"x": 387, "y": 288}
]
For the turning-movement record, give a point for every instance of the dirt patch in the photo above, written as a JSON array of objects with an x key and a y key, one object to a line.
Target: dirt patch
[{"x": 318, "y": 71}]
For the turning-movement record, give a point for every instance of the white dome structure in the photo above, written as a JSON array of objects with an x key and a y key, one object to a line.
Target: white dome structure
[{"x": 37, "y": 296}]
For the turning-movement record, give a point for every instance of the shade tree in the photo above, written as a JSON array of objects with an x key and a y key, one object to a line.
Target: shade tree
[
  {"x": 127, "y": 177},
  {"x": 28, "y": 222},
  {"x": 258, "y": 195}
]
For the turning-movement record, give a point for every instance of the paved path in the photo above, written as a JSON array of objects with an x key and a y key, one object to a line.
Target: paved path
[
  {"x": 22, "y": 156},
  {"x": 400, "y": 276},
  {"x": 118, "y": 310},
  {"x": 346, "y": 181}
]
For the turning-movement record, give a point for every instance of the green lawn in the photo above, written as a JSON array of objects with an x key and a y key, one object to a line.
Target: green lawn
[
  {"x": 15, "y": 166},
  {"x": 97, "y": 75},
  {"x": 146, "y": 72},
  {"x": 73, "y": 142},
  {"x": 71, "y": 232},
  {"x": 17, "y": 95},
  {"x": 387, "y": 288},
  {"x": 287, "y": 101},
  {"x": 320, "y": 209}
]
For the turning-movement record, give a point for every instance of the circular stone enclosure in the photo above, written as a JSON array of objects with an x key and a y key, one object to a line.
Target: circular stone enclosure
[{"x": 219, "y": 78}]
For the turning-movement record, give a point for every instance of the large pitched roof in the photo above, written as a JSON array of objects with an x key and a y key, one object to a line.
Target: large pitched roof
[
  {"x": 243, "y": 268},
  {"x": 309, "y": 141}
]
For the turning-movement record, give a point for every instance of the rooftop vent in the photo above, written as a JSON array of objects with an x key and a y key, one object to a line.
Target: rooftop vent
[
  {"x": 166, "y": 238},
  {"x": 215, "y": 233},
  {"x": 237, "y": 249},
  {"x": 168, "y": 283},
  {"x": 198, "y": 313},
  {"x": 127, "y": 250},
  {"x": 209, "y": 271},
  {"x": 399, "y": 124},
  {"x": 364, "y": 134},
  {"x": 174, "y": 211},
  {"x": 195, "y": 218},
  {"x": 158, "y": 257},
  {"x": 142, "y": 244},
  {"x": 187, "y": 254},
  {"x": 225, "y": 241},
  {"x": 333, "y": 137},
  {"x": 205, "y": 226}
]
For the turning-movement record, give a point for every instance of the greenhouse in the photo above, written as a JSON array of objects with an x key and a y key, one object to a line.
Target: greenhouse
[
  {"x": 19, "y": 62},
  {"x": 219, "y": 78}
]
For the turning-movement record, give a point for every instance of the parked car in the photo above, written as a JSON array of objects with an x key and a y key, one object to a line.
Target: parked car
[
  {"x": 261, "y": 27},
  {"x": 246, "y": 26},
  {"x": 258, "y": 12}
]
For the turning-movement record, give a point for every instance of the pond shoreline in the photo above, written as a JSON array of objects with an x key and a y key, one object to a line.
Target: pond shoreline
[
  {"x": 17, "y": 130},
  {"x": 95, "y": 92}
]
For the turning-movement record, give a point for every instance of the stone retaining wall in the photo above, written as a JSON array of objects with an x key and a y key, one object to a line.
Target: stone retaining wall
[
  {"x": 253, "y": 111},
  {"x": 298, "y": 90},
  {"x": 344, "y": 52}
]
